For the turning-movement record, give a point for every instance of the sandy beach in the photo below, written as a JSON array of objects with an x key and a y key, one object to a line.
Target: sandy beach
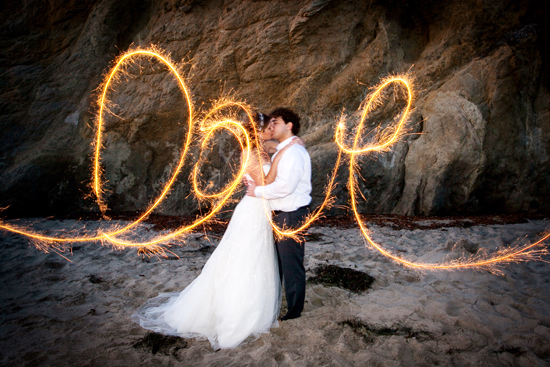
[{"x": 56, "y": 312}]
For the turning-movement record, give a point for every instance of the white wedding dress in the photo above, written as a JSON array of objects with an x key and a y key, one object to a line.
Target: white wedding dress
[{"x": 236, "y": 297}]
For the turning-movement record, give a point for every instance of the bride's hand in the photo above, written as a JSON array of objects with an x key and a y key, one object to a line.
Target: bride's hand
[
  {"x": 250, "y": 188},
  {"x": 297, "y": 140}
]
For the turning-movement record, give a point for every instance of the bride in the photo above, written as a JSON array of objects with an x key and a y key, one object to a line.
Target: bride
[{"x": 237, "y": 296}]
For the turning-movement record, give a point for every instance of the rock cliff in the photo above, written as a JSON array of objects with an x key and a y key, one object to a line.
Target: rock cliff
[{"x": 479, "y": 134}]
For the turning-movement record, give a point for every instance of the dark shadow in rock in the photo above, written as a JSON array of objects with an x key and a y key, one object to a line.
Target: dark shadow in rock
[
  {"x": 95, "y": 279},
  {"x": 54, "y": 278},
  {"x": 165, "y": 344},
  {"x": 370, "y": 333},
  {"x": 55, "y": 264},
  {"x": 207, "y": 249},
  {"x": 516, "y": 351},
  {"x": 335, "y": 276}
]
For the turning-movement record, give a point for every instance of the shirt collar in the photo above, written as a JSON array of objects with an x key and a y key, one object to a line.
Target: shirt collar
[{"x": 284, "y": 143}]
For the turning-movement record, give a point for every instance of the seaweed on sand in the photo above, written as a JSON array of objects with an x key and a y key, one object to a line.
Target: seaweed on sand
[
  {"x": 335, "y": 276},
  {"x": 165, "y": 344},
  {"x": 369, "y": 333}
]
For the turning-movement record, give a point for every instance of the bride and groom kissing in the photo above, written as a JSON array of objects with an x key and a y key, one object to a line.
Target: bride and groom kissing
[{"x": 237, "y": 296}]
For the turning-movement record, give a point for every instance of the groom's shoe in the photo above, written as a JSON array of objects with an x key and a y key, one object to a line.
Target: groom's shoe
[{"x": 286, "y": 317}]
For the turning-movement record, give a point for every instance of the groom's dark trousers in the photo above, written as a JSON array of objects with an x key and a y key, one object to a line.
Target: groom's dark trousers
[{"x": 291, "y": 261}]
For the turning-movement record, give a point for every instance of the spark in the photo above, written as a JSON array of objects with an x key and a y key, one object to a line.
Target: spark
[
  {"x": 223, "y": 117},
  {"x": 209, "y": 125},
  {"x": 385, "y": 141},
  {"x": 97, "y": 180}
]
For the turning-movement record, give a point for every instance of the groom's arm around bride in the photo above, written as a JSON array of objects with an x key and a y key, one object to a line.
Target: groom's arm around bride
[{"x": 289, "y": 195}]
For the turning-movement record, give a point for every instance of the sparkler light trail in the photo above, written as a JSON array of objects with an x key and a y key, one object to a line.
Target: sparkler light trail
[
  {"x": 216, "y": 119},
  {"x": 152, "y": 246},
  {"x": 386, "y": 139},
  {"x": 103, "y": 101}
]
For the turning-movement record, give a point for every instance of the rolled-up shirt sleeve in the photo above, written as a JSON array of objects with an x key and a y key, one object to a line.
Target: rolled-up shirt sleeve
[{"x": 289, "y": 174}]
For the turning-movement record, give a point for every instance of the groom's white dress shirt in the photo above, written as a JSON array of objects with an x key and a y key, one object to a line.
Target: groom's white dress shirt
[{"x": 292, "y": 186}]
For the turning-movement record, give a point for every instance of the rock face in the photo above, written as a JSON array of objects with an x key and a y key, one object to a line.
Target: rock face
[{"x": 480, "y": 129}]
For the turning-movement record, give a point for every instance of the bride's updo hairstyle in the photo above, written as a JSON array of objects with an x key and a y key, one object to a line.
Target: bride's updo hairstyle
[{"x": 260, "y": 121}]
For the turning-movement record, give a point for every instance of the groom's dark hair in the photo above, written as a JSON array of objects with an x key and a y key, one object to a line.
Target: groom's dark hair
[{"x": 288, "y": 116}]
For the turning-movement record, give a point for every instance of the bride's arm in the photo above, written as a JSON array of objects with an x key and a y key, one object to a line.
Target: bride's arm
[
  {"x": 270, "y": 146},
  {"x": 272, "y": 174},
  {"x": 254, "y": 169}
]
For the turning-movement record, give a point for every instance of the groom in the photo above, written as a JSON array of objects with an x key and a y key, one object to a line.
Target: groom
[{"x": 289, "y": 196}]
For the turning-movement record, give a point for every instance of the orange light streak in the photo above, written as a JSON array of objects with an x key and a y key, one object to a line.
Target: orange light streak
[
  {"x": 339, "y": 136},
  {"x": 150, "y": 247},
  {"x": 502, "y": 256},
  {"x": 387, "y": 142},
  {"x": 97, "y": 183},
  {"x": 209, "y": 125},
  {"x": 215, "y": 120},
  {"x": 245, "y": 147},
  {"x": 326, "y": 204}
]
